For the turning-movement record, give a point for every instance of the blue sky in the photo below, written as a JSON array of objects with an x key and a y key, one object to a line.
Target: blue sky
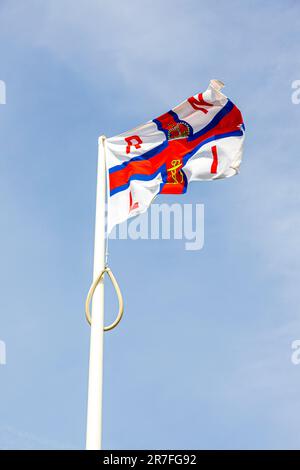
[{"x": 202, "y": 358}]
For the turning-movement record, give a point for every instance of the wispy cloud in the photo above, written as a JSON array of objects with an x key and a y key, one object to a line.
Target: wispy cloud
[{"x": 11, "y": 438}]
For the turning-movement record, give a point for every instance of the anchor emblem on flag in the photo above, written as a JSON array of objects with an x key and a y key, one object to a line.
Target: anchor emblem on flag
[{"x": 175, "y": 173}]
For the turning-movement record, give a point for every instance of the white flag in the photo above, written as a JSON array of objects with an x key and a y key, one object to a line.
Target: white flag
[{"x": 200, "y": 139}]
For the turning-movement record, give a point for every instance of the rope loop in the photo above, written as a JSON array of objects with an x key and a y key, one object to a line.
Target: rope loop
[{"x": 119, "y": 296}]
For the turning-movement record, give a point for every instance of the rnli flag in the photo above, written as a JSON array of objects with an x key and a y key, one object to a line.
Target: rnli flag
[{"x": 201, "y": 139}]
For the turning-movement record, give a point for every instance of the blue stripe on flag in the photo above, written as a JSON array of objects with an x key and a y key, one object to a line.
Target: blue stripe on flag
[{"x": 215, "y": 121}]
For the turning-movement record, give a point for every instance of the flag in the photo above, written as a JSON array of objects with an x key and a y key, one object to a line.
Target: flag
[{"x": 201, "y": 139}]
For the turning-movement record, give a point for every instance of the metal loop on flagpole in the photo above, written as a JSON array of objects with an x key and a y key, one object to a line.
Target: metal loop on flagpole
[{"x": 119, "y": 295}]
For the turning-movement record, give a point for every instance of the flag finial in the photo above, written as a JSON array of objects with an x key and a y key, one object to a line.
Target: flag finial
[{"x": 217, "y": 84}]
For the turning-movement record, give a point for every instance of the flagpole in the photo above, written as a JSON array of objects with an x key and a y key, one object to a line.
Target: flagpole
[{"x": 95, "y": 382}]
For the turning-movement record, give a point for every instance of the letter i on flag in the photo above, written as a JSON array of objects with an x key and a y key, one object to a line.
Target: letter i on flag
[{"x": 201, "y": 139}]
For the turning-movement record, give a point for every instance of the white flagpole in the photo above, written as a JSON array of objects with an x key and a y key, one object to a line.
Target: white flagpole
[{"x": 95, "y": 384}]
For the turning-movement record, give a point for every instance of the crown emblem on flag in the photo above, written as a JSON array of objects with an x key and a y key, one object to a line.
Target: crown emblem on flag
[{"x": 179, "y": 131}]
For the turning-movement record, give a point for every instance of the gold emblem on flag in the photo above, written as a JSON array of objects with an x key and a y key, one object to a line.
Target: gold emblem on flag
[{"x": 176, "y": 175}]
